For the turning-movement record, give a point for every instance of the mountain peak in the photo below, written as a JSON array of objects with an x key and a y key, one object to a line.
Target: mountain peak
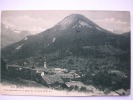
[
  {"x": 75, "y": 21},
  {"x": 75, "y": 16},
  {"x": 72, "y": 18}
]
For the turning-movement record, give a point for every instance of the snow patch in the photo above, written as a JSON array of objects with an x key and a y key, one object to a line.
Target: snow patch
[
  {"x": 76, "y": 26},
  {"x": 53, "y": 39},
  {"x": 82, "y": 23},
  {"x": 25, "y": 38},
  {"x": 19, "y": 47}
]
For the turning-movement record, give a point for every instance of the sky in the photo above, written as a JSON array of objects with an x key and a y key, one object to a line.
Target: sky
[{"x": 40, "y": 20}]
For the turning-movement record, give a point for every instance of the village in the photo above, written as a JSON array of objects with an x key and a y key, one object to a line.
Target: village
[
  {"x": 56, "y": 78},
  {"x": 50, "y": 77}
]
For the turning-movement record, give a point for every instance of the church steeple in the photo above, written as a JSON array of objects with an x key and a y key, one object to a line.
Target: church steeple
[{"x": 45, "y": 63}]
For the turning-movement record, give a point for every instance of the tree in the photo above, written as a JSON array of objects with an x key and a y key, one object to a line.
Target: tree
[
  {"x": 76, "y": 87},
  {"x": 71, "y": 88},
  {"x": 83, "y": 89},
  {"x": 70, "y": 61}
]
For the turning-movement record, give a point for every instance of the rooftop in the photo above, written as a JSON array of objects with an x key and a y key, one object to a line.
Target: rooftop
[
  {"x": 75, "y": 83},
  {"x": 51, "y": 79}
]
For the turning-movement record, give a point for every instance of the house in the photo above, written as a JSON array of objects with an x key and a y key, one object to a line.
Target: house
[
  {"x": 72, "y": 71},
  {"x": 55, "y": 70},
  {"x": 69, "y": 76},
  {"x": 37, "y": 71},
  {"x": 66, "y": 77},
  {"x": 75, "y": 83},
  {"x": 52, "y": 81},
  {"x": 59, "y": 70}
]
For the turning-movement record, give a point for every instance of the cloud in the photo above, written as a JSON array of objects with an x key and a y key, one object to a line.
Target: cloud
[
  {"x": 113, "y": 24},
  {"x": 25, "y": 22}
]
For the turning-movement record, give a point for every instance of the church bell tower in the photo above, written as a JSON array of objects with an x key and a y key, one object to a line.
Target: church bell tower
[{"x": 45, "y": 63}]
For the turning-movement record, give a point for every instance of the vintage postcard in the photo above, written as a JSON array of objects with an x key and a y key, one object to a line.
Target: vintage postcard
[{"x": 65, "y": 53}]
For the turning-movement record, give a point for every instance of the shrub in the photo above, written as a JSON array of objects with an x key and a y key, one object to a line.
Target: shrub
[{"x": 83, "y": 89}]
